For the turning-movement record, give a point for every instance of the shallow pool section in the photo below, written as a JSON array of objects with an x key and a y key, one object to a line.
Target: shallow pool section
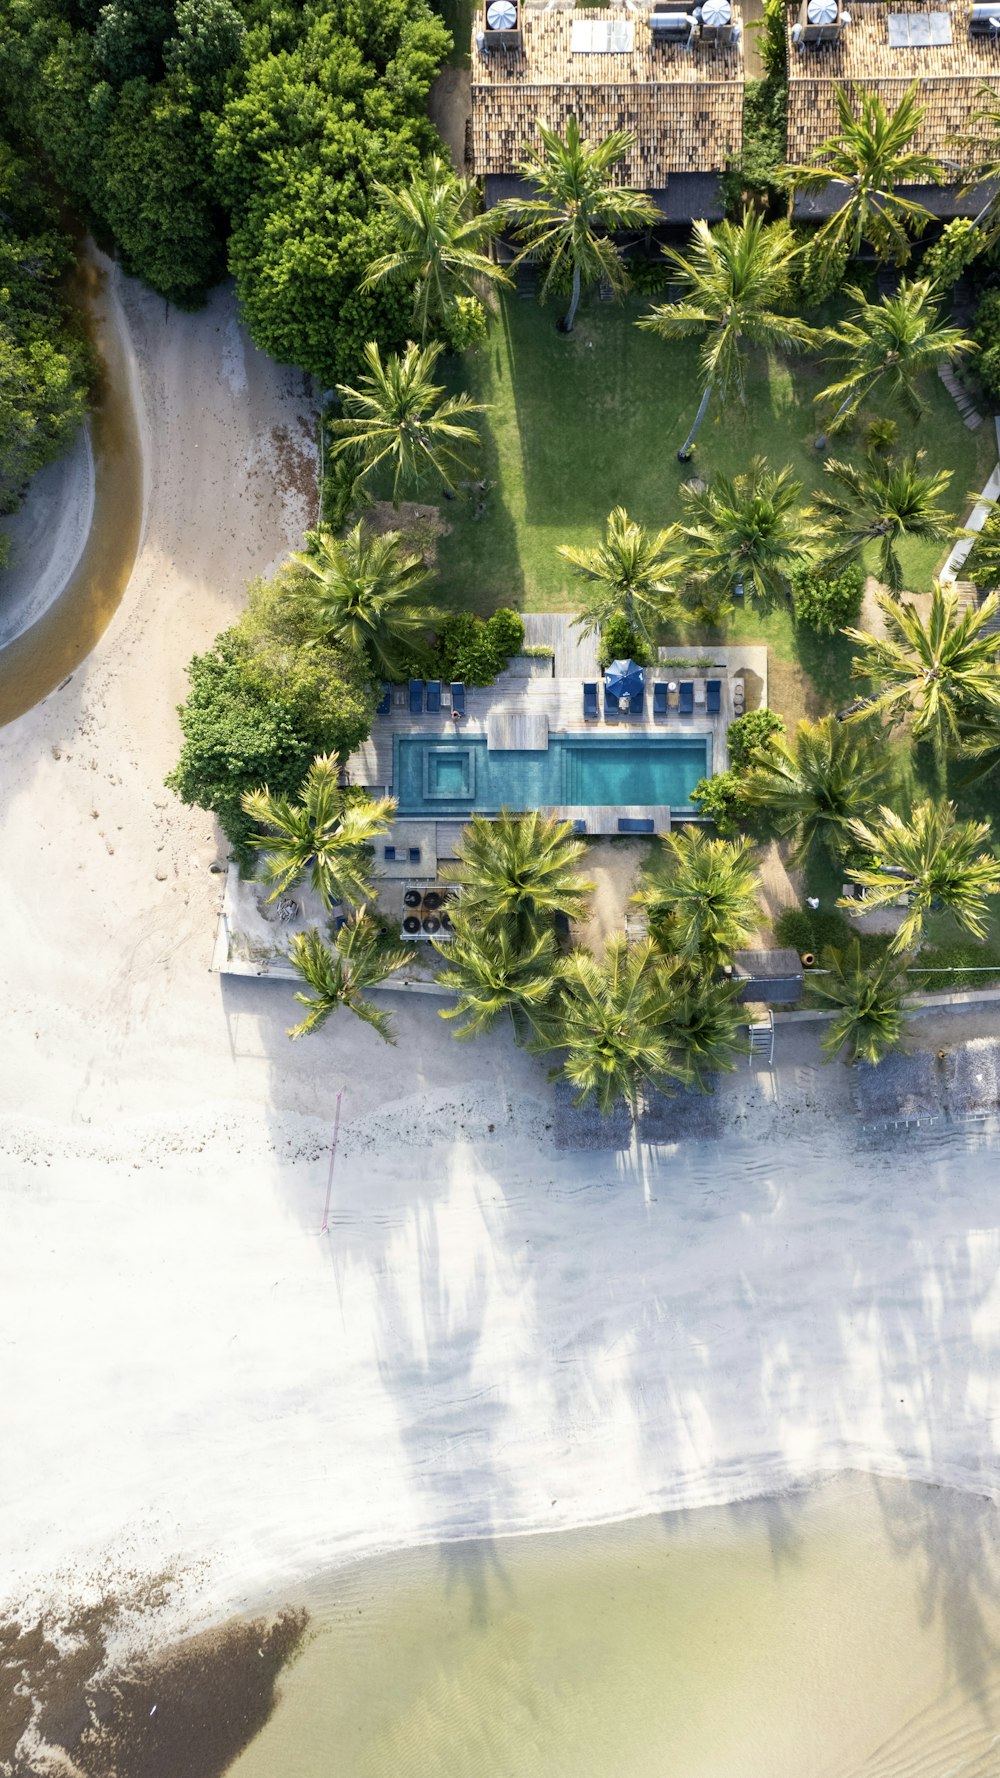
[{"x": 452, "y": 775}]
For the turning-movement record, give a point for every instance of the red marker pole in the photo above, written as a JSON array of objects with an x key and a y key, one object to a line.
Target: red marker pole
[{"x": 333, "y": 1156}]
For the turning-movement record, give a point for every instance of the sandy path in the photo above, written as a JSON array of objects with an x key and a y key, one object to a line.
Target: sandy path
[{"x": 492, "y": 1335}]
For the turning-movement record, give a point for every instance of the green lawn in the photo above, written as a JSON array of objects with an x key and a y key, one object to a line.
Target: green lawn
[{"x": 578, "y": 425}]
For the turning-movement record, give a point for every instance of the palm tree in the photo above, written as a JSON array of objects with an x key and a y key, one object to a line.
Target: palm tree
[
  {"x": 364, "y": 591},
  {"x": 610, "y": 1019},
  {"x": 398, "y": 417},
  {"x": 887, "y": 345},
  {"x": 937, "y": 669},
  {"x": 737, "y": 278},
  {"x": 870, "y": 1018},
  {"x": 706, "y": 1026},
  {"x": 700, "y": 895},
  {"x": 519, "y": 869},
  {"x": 931, "y": 857},
  {"x": 980, "y": 150},
  {"x": 325, "y": 833},
  {"x": 630, "y": 575},
  {"x": 882, "y": 500},
  {"x": 359, "y": 958},
  {"x": 870, "y": 154},
  {"x": 496, "y": 969},
  {"x": 816, "y": 787},
  {"x": 577, "y": 211},
  {"x": 979, "y": 735},
  {"x": 440, "y": 236},
  {"x": 745, "y": 530}
]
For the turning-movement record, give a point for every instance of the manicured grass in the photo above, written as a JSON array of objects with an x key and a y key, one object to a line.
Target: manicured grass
[{"x": 581, "y": 424}]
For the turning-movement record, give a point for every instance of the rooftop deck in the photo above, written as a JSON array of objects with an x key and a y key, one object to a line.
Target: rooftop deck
[
  {"x": 685, "y": 105},
  {"x": 950, "y": 72}
]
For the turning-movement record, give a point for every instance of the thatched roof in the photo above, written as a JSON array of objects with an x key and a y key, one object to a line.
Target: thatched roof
[
  {"x": 684, "y": 105},
  {"x": 950, "y": 74}
]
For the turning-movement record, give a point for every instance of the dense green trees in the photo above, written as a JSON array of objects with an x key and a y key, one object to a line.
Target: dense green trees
[
  {"x": 44, "y": 364},
  {"x": 264, "y": 701},
  {"x": 184, "y": 126}
]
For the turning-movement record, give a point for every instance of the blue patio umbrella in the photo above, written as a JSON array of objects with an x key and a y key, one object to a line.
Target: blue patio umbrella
[{"x": 624, "y": 679}]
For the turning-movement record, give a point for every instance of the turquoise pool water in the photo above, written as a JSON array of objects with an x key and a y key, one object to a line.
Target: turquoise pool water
[{"x": 455, "y": 774}]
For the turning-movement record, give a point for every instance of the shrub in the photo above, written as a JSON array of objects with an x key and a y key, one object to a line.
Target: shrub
[
  {"x": 986, "y": 326},
  {"x": 955, "y": 248},
  {"x": 821, "y": 273},
  {"x": 619, "y": 642},
  {"x": 466, "y": 324},
  {"x": 827, "y": 603},
  {"x": 881, "y": 435},
  {"x": 812, "y": 929},
  {"x": 988, "y": 371},
  {"x": 476, "y": 651},
  {"x": 720, "y": 799},
  {"x": 749, "y": 735}
]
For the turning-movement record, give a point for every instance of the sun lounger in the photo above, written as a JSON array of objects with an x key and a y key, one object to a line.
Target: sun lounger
[
  {"x": 636, "y": 824},
  {"x": 433, "y": 696},
  {"x": 699, "y": 694},
  {"x": 590, "y": 709},
  {"x": 457, "y": 697},
  {"x": 416, "y": 697},
  {"x": 659, "y": 700},
  {"x": 685, "y": 695},
  {"x": 389, "y": 854},
  {"x": 714, "y": 696},
  {"x": 414, "y": 852},
  {"x": 382, "y": 708},
  {"x": 579, "y": 826}
]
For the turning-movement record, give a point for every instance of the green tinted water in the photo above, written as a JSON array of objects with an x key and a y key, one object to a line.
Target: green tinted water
[{"x": 850, "y": 1631}]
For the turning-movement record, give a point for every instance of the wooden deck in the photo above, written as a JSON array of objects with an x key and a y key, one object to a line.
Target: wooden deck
[{"x": 517, "y": 731}]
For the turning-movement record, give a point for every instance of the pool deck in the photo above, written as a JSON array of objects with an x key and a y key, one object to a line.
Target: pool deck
[{"x": 538, "y": 698}]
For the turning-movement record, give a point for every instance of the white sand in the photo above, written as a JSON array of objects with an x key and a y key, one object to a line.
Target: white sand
[{"x": 491, "y": 1335}]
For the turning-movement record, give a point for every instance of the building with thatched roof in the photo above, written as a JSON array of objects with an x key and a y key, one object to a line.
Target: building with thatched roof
[
  {"x": 664, "y": 73},
  {"x": 951, "y": 49}
]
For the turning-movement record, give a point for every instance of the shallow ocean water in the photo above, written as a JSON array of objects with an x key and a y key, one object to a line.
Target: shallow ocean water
[{"x": 848, "y": 1631}]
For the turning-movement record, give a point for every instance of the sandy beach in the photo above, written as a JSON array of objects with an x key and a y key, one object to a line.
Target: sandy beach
[{"x": 493, "y": 1335}]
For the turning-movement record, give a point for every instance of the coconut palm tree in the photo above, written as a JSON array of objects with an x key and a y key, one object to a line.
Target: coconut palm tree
[
  {"x": 700, "y": 896},
  {"x": 400, "y": 417},
  {"x": 869, "y": 999},
  {"x": 519, "y": 868},
  {"x": 979, "y": 147},
  {"x": 706, "y": 1026},
  {"x": 737, "y": 278},
  {"x": 935, "y": 669},
  {"x": 495, "y": 970},
  {"x": 745, "y": 530},
  {"x": 365, "y": 591},
  {"x": 325, "y": 834},
  {"x": 881, "y": 501},
  {"x": 979, "y": 738},
  {"x": 630, "y": 574},
  {"x": 933, "y": 858},
  {"x": 816, "y": 787},
  {"x": 338, "y": 974},
  {"x": 610, "y": 1019},
  {"x": 887, "y": 345},
  {"x": 440, "y": 236},
  {"x": 577, "y": 210},
  {"x": 865, "y": 160}
]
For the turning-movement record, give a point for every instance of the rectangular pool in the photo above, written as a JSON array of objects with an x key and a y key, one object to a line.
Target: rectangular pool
[{"x": 455, "y": 774}]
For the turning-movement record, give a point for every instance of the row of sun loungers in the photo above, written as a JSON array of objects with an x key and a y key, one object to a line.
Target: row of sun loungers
[
  {"x": 702, "y": 693},
  {"x": 425, "y": 695}
]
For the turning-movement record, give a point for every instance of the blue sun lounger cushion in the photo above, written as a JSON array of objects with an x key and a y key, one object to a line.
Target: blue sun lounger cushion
[
  {"x": 659, "y": 699},
  {"x": 458, "y": 697},
  {"x": 685, "y": 694},
  {"x": 713, "y": 697},
  {"x": 433, "y": 696},
  {"x": 416, "y": 697},
  {"x": 590, "y": 698}
]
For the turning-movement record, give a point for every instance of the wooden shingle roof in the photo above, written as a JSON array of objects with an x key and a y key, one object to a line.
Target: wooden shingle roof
[
  {"x": 950, "y": 75},
  {"x": 684, "y": 105}
]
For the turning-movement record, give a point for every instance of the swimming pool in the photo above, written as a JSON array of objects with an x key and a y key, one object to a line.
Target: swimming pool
[{"x": 454, "y": 774}]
